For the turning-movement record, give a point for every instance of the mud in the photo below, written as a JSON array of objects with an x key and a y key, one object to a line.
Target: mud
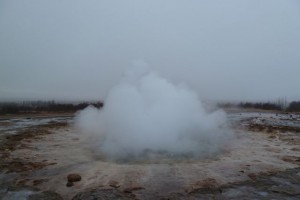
[{"x": 262, "y": 163}]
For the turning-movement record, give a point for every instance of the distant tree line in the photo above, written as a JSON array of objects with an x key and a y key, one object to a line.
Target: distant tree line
[
  {"x": 294, "y": 106},
  {"x": 278, "y": 105},
  {"x": 43, "y": 106},
  {"x": 261, "y": 105}
]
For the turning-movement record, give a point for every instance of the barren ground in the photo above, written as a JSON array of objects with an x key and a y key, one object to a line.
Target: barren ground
[{"x": 37, "y": 155}]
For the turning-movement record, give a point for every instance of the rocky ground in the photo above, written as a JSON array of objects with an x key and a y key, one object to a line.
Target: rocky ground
[{"x": 50, "y": 159}]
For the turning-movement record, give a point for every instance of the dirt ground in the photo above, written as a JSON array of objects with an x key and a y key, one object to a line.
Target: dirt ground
[{"x": 262, "y": 162}]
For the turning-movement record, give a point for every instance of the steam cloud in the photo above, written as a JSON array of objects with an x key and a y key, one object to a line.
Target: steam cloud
[{"x": 147, "y": 113}]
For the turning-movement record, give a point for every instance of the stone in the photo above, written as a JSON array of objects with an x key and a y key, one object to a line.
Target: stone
[
  {"x": 74, "y": 177},
  {"x": 69, "y": 184},
  {"x": 114, "y": 184},
  {"x": 133, "y": 188}
]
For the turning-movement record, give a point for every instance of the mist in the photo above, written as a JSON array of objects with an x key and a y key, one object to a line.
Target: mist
[{"x": 146, "y": 114}]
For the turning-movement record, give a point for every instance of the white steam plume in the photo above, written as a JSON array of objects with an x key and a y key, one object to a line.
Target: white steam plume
[{"x": 147, "y": 113}]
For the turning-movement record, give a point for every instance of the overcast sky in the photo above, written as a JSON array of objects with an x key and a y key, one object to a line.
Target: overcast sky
[{"x": 76, "y": 49}]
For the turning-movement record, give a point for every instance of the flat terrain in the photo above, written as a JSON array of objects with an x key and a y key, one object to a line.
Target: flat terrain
[{"x": 261, "y": 162}]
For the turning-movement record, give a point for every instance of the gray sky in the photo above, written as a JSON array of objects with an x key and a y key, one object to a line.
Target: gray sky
[{"x": 76, "y": 49}]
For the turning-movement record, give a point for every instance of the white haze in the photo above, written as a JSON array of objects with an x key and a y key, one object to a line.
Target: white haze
[{"x": 147, "y": 113}]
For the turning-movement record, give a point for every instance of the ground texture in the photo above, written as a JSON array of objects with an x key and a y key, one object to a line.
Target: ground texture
[{"x": 47, "y": 158}]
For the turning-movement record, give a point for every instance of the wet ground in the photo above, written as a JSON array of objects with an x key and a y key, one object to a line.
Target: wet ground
[{"x": 262, "y": 162}]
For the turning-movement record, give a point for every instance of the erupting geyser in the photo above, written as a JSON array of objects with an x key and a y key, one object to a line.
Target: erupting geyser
[{"x": 147, "y": 113}]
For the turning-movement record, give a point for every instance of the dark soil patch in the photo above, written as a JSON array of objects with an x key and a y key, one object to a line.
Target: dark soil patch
[
  {"x": 272, "y": 129},
  {"x": 10, "y": 143},
  {"x": 108, "y": 194}
]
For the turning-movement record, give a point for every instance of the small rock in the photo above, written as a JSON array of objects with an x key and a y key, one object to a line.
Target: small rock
[
  {"x": 69, "y": 184},
  {"x": 131, "y": 189},
  {"x": 114, "y": 184},
  {"x": 39, "y": 181},
  {"x": 74, "y": 177}
]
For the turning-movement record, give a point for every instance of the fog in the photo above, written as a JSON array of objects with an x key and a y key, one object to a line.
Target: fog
[
  {"x": 145, "y": 115},
  {"x": 78, "y": 50}
]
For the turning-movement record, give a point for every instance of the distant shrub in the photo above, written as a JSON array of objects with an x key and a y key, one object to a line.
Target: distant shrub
[
  {"x": 227, "y": 105},
  {"x": 294, "y": 106},
  {"x": 44, "y": 106},
  {"x": 10, "y": 108},
  {"x": 261, "y": 105}
]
